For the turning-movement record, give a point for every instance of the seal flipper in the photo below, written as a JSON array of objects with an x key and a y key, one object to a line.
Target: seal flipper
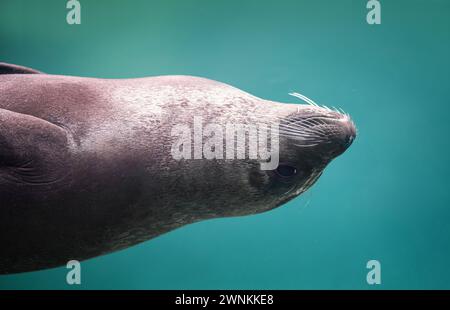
[
  {"x": 32, "y": 151},
  {"x": 6, "y": 68}
]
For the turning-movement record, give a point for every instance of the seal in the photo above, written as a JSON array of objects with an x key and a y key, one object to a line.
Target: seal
[{"x": 86, "y": 165}]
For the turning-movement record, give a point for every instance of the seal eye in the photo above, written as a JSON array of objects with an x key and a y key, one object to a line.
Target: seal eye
[{"x": 286, "y": 171}]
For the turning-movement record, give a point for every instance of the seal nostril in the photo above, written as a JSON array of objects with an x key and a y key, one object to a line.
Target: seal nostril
[{"x": 349, "y": 140}]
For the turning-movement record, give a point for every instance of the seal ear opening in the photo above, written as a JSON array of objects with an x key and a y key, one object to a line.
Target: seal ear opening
[{"x": 6, "y": 68}]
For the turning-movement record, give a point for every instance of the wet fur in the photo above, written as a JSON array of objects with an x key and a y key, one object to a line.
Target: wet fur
[{"x": 85, "y": 165}]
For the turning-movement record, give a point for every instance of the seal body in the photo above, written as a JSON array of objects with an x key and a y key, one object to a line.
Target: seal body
[{"x": 86, "y": 165}]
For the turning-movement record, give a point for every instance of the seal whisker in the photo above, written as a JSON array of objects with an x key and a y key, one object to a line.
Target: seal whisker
[
  {"x": 311, "y": 124},
  {"x": 302, "y": 138},
  {"x": 302, "y": 125},
  {"x": 304, "y": 134},
  {"x": 290, "y": 134},
  {"x": 303, "y": 129},
  {"x": 306, "y": 145},
  {"x": 304, "y": 98},
  {"x": 313, "y": 103}
]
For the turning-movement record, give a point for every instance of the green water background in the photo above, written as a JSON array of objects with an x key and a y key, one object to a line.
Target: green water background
[{"x": 386, "y": 198}]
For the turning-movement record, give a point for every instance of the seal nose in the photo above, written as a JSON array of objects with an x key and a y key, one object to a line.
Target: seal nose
[{"x": 342, "y": 133}]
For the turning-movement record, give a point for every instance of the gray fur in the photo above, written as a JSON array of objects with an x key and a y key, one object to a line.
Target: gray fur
[{"x": 85, "y": 165}]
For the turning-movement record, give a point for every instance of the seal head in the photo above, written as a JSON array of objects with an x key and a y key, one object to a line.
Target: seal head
[{"x": 310, "y": 139}]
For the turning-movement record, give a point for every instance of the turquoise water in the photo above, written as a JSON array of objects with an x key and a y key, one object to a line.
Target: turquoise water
[{"x": 387, "y": 198}]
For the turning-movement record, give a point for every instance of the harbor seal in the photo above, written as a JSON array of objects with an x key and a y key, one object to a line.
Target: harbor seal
[{"x": 86, "y": 166}]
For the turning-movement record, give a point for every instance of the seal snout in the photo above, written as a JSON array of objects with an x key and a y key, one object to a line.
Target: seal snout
[
  {"x": 339, "y": 133},
  {"x": 326, "y": 132},
  {"x": 343, "y": 135}
]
